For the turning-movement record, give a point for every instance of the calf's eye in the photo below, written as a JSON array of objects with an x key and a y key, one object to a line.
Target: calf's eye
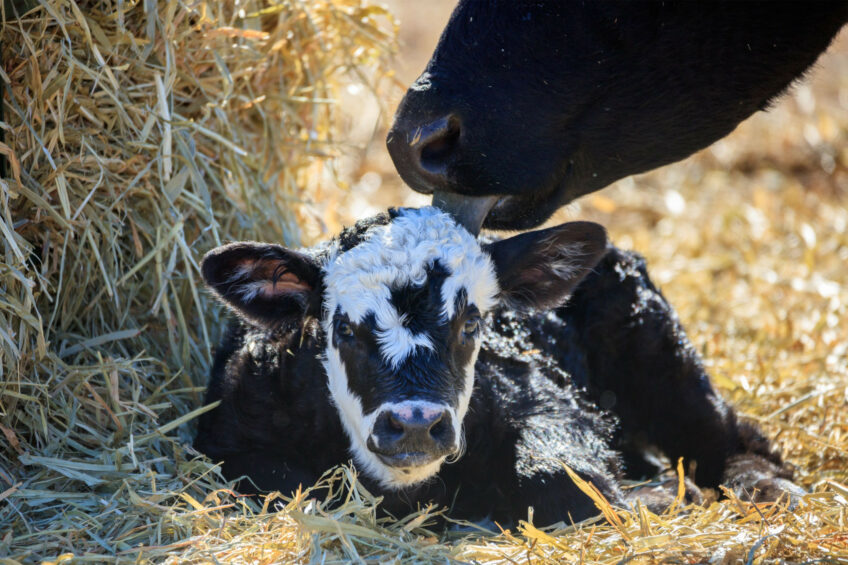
[
  {"x": 471, "y": 326},
  {"x": 343, "y": 329}
]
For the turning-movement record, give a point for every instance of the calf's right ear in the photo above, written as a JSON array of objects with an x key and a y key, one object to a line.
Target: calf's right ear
[{"x": 266, "y": 284}]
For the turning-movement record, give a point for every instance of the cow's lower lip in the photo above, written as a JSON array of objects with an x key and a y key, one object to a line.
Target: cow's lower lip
[
  {"x": 507, "y": 211},
  {"x": 409, "y": 459},
  {"x": 500, "y": 204},
  {"x": 468, "y": 211},
  {"x": 528, "y": 211}
]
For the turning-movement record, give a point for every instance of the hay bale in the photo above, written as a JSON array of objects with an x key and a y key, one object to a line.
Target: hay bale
[{"x": 138, "y": 135}]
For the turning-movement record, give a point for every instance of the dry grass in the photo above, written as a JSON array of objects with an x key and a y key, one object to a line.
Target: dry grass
[{"x": 135, "y": 153}]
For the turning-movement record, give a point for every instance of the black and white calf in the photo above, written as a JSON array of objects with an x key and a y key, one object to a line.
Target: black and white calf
[{"x": 448, "y": 371}]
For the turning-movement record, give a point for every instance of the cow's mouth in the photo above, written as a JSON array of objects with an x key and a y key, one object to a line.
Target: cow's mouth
[
  {"x": 494, "y": 212},
  {"x": 411, "y": 457},
  {"x": 519, "y": 212},
  {"x": 468, "y": 211},
  {"x": 507, "y": 212},
  {"x": 511, "y": 211}
]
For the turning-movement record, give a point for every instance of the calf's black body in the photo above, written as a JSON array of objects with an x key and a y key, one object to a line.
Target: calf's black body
[{"x": 539, "y": 380}]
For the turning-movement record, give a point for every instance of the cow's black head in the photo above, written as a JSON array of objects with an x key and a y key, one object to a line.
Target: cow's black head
[
  {"x": 402, "y": 308},
  {"x": 537, "y": 103}
]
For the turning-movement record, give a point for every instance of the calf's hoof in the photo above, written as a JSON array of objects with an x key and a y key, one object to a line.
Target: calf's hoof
[
  {"x": 659, "y": 496},
  {"x": 755, "y": 479},
  {"x": 773, "y": 489}
]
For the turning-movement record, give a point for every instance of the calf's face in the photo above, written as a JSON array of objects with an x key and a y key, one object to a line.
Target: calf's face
[{"x": 402, "y": 311}]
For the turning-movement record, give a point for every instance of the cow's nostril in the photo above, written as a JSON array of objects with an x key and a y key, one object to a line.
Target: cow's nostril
[
  {"x": 437, "y": 144},
  {"x": 423, "y": 149}
]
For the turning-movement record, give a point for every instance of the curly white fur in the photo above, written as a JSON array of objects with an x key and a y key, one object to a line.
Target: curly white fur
[{"x": 360, "y": 281}]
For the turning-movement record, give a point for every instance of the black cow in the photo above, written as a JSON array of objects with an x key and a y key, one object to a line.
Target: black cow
[
  {"x": 534, "y": 104},
  {"x": 448, "y": 372}
]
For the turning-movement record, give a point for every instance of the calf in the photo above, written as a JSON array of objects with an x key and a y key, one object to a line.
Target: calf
[{"x": 449, "y": 372}]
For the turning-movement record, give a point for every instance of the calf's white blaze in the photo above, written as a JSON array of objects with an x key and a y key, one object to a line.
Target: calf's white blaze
[{"x": 359, "y": 282}]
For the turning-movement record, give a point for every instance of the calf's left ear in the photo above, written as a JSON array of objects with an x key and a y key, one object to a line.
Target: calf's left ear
[
  {"x": 539, "y": 269},
  {"x": 268, "y": 285}
]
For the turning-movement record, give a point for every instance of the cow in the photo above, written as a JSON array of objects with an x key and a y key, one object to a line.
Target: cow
[
  {"x": 525, "y": 106},
  {"x": 450, "y": 372}
]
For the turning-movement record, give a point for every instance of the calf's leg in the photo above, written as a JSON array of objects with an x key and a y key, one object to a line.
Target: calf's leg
[{"x": 636, "y": 361}]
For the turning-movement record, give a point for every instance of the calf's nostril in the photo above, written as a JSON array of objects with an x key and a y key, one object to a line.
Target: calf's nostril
[
  {"x": 395, "y": 423},
  {"x": 439, "y": 429},
  {"x": 423, "y": 430}
]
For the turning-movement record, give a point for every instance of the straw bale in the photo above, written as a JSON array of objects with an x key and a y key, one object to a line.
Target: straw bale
[{"x": 137, "y": 135}]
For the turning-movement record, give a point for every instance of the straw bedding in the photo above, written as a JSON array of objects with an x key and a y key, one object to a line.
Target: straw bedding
[{"x": 136, "y": 135}]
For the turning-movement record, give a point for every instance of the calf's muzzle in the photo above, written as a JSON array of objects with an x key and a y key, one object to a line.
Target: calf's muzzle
[{"x": 414, "y": 434}]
